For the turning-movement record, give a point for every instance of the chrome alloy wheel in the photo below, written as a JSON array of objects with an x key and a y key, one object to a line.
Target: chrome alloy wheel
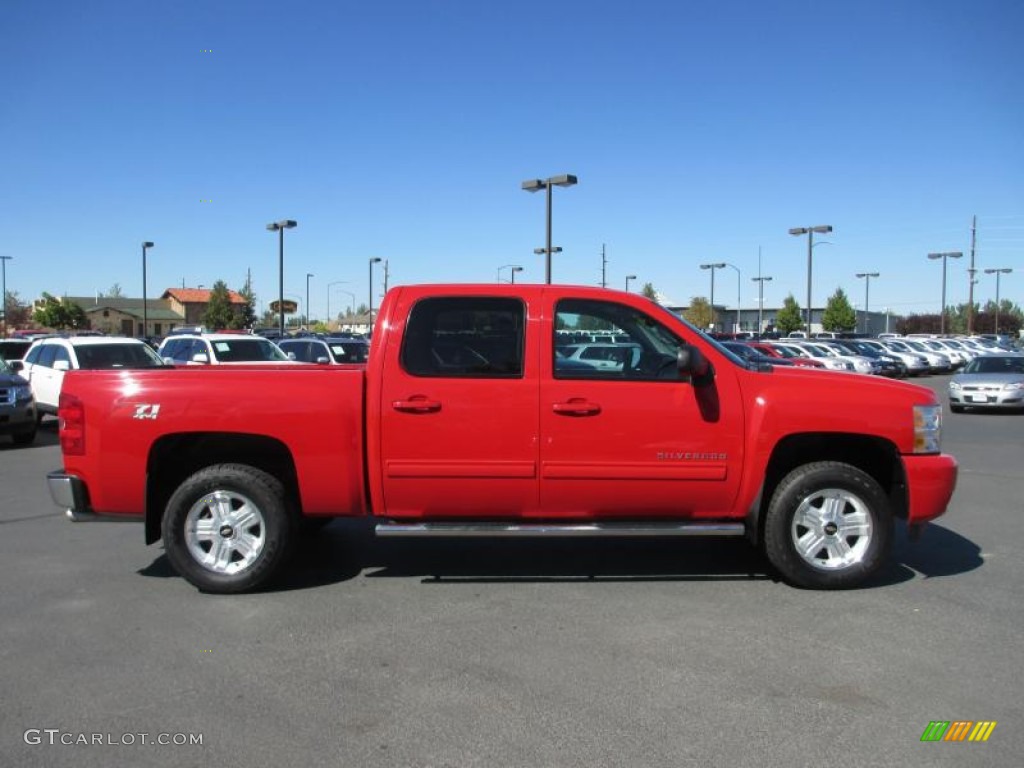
[
  {"x": 225, "y": 532},
  {"x": 831, "y": 529}
]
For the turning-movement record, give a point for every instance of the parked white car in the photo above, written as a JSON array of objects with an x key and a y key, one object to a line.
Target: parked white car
[
  {"x": 220, "y": 349},
  {"x": 48, "y": 359}
]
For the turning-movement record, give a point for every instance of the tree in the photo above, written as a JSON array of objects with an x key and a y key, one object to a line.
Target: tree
[
  {"x": 246, "y": 318},
  {"x": 839, "y": 315},
  {"x": 53, "y": 314},
  {"x": 15, "y": 313},
  {"x": 699, "y": 313},
  {"x": 219, "y": 312},
  {"x": 788, "y": 318},
  {"x": 114, "y": 291},
  {"x": 649, "y": 292}
]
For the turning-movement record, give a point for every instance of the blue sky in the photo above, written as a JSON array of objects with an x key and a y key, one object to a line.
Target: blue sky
[{"x": 698, "y": 131}]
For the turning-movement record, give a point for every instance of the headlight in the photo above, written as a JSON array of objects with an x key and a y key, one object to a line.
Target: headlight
[
  {"x": 927, "y": 428},
  {"x": 23, "y": 392},
  {"x": 954, "y": 385},
  {"x": 1013, "y": 385}
]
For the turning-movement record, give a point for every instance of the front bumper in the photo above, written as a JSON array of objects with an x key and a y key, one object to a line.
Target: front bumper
[
  {"x": 931, "y": 480},
  {"x": 989, "y": 398}
]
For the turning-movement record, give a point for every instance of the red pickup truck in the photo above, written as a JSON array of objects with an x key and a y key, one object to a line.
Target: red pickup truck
[{"x": 469, "y": 420}]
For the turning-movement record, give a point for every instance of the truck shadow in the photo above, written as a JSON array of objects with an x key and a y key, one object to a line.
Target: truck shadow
[{"x": 347, "y": 549}]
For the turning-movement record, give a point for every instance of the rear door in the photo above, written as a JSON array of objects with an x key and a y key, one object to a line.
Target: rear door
[
  {"x": 458, "y": 408},
  {"x": 635, "y": 442}
]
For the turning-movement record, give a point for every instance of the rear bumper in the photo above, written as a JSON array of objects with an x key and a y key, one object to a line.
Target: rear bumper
[
  {"x": 931, "y": 481},
  {"x": 68, "y": 492}
]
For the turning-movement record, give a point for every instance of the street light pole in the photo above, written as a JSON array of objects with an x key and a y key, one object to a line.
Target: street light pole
[
  {"x": 732, "y": 266},
  {"x": 336, "y": 282},
  {"x": 809, "y": 231},
  {"x": 308, "y": 275},
  {"x": 535, "y": 185},
  {"x": 760, "y": 302},
  {"x": 997, "y": 273},
  {"x": 942, "y": 309},
  {"x": 3, "y": 292},
  {"x": 280, "y": 227},
  {"x": 713, "y": 267},
  {"x": 145, "y": 304},
  {"x": 514, "y": 268},
  {"x": 867, "y": 287},
  {"x": 374, "y": 260},
  {"x": 628, "y": 278}
]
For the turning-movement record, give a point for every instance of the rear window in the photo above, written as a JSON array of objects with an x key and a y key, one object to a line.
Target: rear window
[{"x": 478, "y": 337}]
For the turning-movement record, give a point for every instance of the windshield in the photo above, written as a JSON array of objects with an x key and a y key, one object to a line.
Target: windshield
[
  {"x": 247, "y": 350},
  {"x": 96, "y": 356},
  {"x": 349, "y": 351}
]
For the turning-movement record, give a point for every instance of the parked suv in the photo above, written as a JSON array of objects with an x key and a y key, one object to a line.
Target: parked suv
[
  {"x": 219, "y": 349},
  {"x": 17, "y": 406},
  {"x": 47, "y": 360}
]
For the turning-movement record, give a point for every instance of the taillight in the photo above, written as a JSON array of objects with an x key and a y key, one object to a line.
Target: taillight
[{"x": 71, "y": 420}]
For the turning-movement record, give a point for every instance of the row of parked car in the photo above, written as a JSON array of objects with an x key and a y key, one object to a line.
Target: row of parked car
[{"x": 32, "y": 373}]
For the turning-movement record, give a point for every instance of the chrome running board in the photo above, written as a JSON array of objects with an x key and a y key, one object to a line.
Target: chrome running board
[{"x": 555, "y": 530}]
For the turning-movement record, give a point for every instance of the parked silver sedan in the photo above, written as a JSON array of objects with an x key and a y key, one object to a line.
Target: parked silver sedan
[{"x": 990, "y": 381}]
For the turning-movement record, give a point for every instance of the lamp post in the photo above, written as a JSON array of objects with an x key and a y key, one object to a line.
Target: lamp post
[
  {"x": 145, "y": 308},
  {"x": 732, "y": 266},
  {"x": 308, "y": 275},
  {"x": 280, "y": 227},
  {"x": 713, "y": 267},
  {"x": 3, "y": 293},
  {"x": 535, "y": 185},
  {"x": 867, "y": 287},
  {"x": 809, "y": 231},
  {"x": 512, "y": 275},
  {"x": 336, "y": 282},
  {"x": 628, "y": 278},
  {"x": 374, "y": 260},
  {"x": 997, "y": 273},
  {"x": 760, "y": 301},
  {"x": 942, "y": 309}
]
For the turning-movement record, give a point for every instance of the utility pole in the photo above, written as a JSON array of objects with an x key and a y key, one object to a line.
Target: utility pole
[
  {"x": 604, "y": 268},
  {"x": 387, "y": 275},
  {"x": 970, "y": 278}
]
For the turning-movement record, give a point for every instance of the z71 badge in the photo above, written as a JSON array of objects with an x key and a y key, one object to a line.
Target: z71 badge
[{"x": 146, "y": 411}]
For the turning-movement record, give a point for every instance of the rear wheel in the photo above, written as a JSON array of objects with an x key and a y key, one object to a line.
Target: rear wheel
[
  {"x": 228, "y": 528},
  {"x": 828, "y": 526}
]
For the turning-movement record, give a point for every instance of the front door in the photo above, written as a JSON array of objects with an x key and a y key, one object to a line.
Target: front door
[
  {"x": 458, "y": 409},
  {"x": 633, "y": 441}
]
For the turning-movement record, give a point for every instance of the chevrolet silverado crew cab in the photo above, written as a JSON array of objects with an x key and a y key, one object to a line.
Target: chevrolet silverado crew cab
[{"x": 467, "y": 422}]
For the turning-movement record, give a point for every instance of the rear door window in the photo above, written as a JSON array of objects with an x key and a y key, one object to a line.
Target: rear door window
[{"x": 466, "y": 337}]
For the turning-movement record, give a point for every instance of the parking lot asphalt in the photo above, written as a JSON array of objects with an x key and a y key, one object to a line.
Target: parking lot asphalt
[{"x": 392, "y": 653}]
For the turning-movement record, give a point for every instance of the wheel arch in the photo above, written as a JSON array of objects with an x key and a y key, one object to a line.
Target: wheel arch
[
  {"x": 175, "y": 457},
  {"x": 873, "y": 455}
]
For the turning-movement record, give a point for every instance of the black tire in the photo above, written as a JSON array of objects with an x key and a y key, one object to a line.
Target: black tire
[
  {"x": 228, "y": 528},
  {"x": 24, "y": 438},
  {"x": 841, "y": 519}
]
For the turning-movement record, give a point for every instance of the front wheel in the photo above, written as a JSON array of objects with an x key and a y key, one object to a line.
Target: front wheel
[
  {"x": 828, "y": 526},
  {"x": 228, "y": 528}
]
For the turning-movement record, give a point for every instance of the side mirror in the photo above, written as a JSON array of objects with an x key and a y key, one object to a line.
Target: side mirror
[
  {"x": 200, "y": 357},
  {"x": 168, "y": 361},
  {"x": 17, "y": 366},
  {"x": 61, "y": 365},
  {"x": 322, "y": 360},
  {"x": 691, "y": 363},
  {"x": 291, "y": 356}
]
